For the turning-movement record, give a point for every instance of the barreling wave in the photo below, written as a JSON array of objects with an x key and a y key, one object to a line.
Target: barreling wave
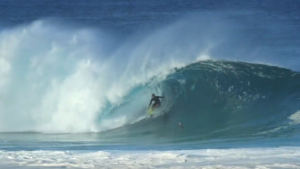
[
  {"x": 58, "y": 79},
  {"x": 215, "y": 99}
]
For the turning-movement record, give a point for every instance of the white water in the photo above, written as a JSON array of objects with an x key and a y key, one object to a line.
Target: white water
[
  {"x": 58, "y": 79},
  {"x": 295, "y": 118},
  {"x": 55, "y": 78},
  {"x": 254, "y": 158}
]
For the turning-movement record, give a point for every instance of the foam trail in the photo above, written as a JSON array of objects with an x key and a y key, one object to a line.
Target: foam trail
[
  {"x": 273, "y": 158},
  {"x": 295, "y": 118}
]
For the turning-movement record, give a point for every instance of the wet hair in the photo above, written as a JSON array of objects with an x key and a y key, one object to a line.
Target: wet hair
[{"x": 153, "y": 94}]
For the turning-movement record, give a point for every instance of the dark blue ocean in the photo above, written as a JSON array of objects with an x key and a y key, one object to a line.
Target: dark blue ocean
[{"x": 76, "y": 79}]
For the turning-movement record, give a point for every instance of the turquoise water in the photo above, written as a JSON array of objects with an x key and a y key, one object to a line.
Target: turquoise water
[{"x": 76, "y": 79}]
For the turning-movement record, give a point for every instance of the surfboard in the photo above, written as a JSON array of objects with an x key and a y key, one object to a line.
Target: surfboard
[{"x": 150, "y": 111}]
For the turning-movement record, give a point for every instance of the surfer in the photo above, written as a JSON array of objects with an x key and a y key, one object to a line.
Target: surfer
[{"x": 156, "y": 101}]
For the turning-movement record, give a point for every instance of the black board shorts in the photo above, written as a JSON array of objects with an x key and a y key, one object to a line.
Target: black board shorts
[{"x": 155, "y": 104}]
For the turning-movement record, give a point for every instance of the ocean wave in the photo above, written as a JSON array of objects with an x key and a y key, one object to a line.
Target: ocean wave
[
  {"x": 65, "y": 79},
  {"x": 216, "y": 99}
]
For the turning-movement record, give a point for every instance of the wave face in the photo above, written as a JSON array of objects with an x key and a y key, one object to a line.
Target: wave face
[
  {"x": 67, "y": 79},
  {"x": 218, "y": 99}
]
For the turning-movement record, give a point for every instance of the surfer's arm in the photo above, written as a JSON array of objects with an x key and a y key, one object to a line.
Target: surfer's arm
[
  {"x": 161, "y": 97},
  {"x": 150, "y": 103}
]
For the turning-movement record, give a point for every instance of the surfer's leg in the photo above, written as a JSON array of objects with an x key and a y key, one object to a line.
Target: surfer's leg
[
  {"x": 153, "y": 106},
  {"x": 156, "y": 106}
]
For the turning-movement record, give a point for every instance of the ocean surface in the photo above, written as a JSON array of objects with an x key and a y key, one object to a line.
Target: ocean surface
[{"x": 76, "y": 78}]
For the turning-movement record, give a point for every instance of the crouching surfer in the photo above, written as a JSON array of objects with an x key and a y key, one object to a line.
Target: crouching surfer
[
  {"x": 155, "y": 105},
  {"x": 156, "y": 101}
]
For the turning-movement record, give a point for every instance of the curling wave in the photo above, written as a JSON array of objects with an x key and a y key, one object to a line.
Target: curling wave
[
  {"x": 215, "y": 99},
  {"x": 64, "y": 79}
]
